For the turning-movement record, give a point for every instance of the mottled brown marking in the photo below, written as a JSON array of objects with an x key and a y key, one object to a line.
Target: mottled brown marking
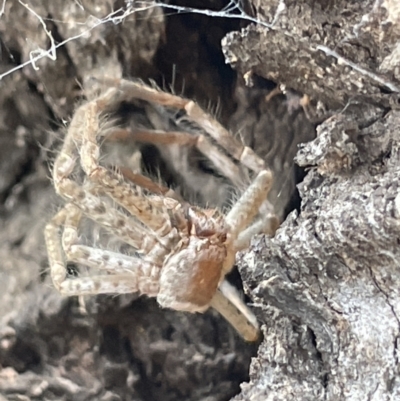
[
  {"x": 204, "y": 282},
  {"x": 80, "y": 195},
  {"x": 100, "y": 209},
  {"x": 120, "y": 223}
]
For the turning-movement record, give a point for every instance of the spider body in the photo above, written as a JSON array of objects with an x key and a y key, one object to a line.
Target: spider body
[
  {"x": 181, "y": 252},
  {"x": 192, "y": 271}
]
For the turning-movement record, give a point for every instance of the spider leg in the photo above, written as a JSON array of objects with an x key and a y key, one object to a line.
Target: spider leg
[
  {"x": 155, "y": 137},
  {"x": 158, "y": 219},
  {"x": 248, "y": 205},
  {"x": 243, "y": 154},
  {"x": 54, "y": 248},
  {"x": 222, "y": 162},
  {"x": 242, "y": 214},
  {"x": 108, "y": 217},
  {"x": 228, "y": 303},
  {"x": 113, "y": 184},
  {"x": 91, "y": 205},
  {"x": 82, "y": 134},
  {"x": 222, "y": 136},
  {"x": 267, "y": 225},
  {"x": 146, "y": 183},
  {"x": 123, "y": 134},
  {"x": 129, "y": 274}
]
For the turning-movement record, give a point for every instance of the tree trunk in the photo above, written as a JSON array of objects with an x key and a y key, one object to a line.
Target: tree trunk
[{"x": 326, "y": 287}]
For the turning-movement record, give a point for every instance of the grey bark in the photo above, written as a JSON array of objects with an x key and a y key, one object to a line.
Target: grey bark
[{"x": 326, "y": 288}]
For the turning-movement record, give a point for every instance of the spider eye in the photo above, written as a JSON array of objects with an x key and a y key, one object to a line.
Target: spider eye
[{"x": 72, "y": 270}]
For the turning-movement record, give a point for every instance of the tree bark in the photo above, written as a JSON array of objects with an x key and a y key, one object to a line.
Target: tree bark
[{"x": 326, "y": 287}]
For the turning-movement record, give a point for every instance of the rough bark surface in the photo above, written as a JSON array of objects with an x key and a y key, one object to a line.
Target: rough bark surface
[{"x": 326, "y": 287}]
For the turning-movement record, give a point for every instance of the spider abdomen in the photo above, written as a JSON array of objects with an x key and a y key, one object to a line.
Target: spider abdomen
[{"x": 190, "y": 276}]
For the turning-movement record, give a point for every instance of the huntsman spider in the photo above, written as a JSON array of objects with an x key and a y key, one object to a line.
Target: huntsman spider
[{"x": 180, "y": 253}]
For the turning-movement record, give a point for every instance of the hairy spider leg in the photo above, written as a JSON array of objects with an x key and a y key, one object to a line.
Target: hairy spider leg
[
  {"x": 127, "y": 274},
  {"x": 248, "y": 205},
  {"x": 232, "y": 308}
]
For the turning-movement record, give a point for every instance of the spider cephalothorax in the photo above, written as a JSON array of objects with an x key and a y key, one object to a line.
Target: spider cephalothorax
[{"x": 181, "y": 252}]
